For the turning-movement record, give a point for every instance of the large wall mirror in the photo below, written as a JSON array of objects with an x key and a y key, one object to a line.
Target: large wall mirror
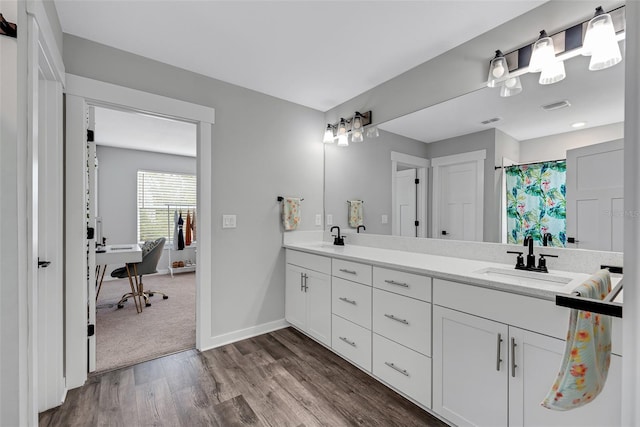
[{"x": 439, "y": 172}]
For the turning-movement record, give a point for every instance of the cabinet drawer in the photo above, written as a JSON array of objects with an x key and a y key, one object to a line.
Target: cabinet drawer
[
  {"x": 353, "y": 271},
  {"x": 403, "y": 369},
  {"x": 411, "y": 285},
  {"x": 351, "y": 301},
  {"x": 318, "y": 263},
  {"x": 351, "y": 341},
  {"x": 404, "y": 320}
]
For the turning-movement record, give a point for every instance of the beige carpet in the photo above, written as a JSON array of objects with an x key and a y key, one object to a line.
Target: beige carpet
[{"x": 124, "y": 337}]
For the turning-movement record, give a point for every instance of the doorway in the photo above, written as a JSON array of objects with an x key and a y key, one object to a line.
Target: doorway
[
  {"x": 80, "y": 275},
  {"x": 408, "y": 195},
  {"x": 458, "y": 196}
]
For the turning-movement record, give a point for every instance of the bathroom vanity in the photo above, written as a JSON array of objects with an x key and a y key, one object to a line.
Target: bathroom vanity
[{"x": 468, "y": 340}]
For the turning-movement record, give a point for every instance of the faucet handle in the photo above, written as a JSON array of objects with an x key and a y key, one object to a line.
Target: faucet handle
[
  {"x": 519, "y": 259},
  {"x": 542, "y": 262}
]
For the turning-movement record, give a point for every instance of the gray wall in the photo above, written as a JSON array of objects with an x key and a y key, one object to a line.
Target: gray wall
[
  {"x": 363, "y": 171},
  {"x": 117, "y": 190},
  {"x": 484, "y": 140},
  {"x": 262, "y": 147}
]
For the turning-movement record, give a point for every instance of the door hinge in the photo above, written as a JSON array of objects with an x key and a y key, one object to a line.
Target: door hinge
[
  {"x": 417, "y": 181},
  {"x": 91, "y": 330},
  {"x": 417, "y": 223},
  {"x": 89, "y": 135}
]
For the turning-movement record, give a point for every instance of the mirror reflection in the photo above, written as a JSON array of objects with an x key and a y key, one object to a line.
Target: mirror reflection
[{"x": 444, "y": 172}]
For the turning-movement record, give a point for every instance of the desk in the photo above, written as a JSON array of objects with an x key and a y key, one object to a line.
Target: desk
[{"x": 128, "y": 254}]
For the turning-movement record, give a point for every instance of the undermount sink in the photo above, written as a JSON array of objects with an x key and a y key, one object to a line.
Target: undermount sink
[{"x": 525, "y": 276}]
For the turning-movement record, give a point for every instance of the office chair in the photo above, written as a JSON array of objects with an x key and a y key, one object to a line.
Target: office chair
[{"x": 151, "y": 252}]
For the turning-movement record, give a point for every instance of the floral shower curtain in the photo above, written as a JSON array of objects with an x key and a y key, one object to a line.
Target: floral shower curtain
[{"x": 536, "y": 202}]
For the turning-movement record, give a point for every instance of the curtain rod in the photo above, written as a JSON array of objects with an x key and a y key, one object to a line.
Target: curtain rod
[{"x": 532, "y": 163}]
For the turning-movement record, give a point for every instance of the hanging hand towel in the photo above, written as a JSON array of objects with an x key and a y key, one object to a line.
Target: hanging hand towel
[
  {"x": 290, "y": 213},
  {"x": 587, "y": 353},
  {"x": 187, "y": 233},
  {"x": 175, "y": 230},
  {"x": 355, "y": 213}
]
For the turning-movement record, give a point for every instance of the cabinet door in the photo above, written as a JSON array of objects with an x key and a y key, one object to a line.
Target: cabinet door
[
  {"x": 469, "y": 369},
  {"x": 295, "y": 297},
  {"x": 537, "y": 358},
  {"x": 318, "y": 289}
]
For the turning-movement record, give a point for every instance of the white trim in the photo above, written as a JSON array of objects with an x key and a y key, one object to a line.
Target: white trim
[
  {"x": 108, "y": 94},
  {"x": 421, "y": 166},
  {"x": 82, "y": 92},
  {"x": 479, "y": 157},
  {"x": 470, "y": 156},
  {"x": 242, "y": 334},
  {"x": 47, "y": 40}
]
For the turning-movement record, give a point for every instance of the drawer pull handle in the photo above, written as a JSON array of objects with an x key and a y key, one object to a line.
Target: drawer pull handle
[
  {"x": 397, "y": 319},
  {"x": 344, "y": 270},
  {"x": 393, "y": 282},
  {"x": 392, "y": 366},
  {"x": 347, "y": 300},
  {"x": 351, "y": 343}
]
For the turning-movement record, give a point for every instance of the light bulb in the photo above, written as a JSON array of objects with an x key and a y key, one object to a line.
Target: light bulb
[
  {"x": 343, "y": 140},
  {"x": 543, "y": 53},
  {"x": 328, "y": 135},
  {"x": 512, "y": 86},
  {"x": 356, "y": 136},
  {"x": 342, "y": 128},
  {"x": 498, "y": 70},
  {"x": 372, "y": 132}
]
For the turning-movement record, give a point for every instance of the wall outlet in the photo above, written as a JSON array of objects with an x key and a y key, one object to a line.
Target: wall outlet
[
  {"x": 228, "y": 221},
  {"x": 384, "y": 219},
  {"x": 318, "y": 219},
  {"x": 329, "y": 219}
]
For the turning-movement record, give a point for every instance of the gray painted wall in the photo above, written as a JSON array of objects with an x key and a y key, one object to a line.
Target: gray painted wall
[
  {"x": 262, "y": 147},
  {"x": 485, "y": 140},
  {"x": 363, "y": 171},
  {"x": 117, "y": 191}
]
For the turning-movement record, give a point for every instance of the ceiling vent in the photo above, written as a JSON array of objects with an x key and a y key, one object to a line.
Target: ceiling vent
[
  {"x": 493, "y": 120},
  {"x": 556, "y": 105}
]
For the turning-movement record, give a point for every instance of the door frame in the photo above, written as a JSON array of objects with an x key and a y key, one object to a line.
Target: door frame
[
  {"x": 82, "y": 92},
  {"x": 421, "y": 165},
  {"x": 437, "y": 163}
]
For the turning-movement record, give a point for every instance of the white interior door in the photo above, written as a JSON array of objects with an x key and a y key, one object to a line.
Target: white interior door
[
  {"x": 405, "y": 209},
  {"x": 458, "y": 202},
  {"x": 595, "y": 211}
]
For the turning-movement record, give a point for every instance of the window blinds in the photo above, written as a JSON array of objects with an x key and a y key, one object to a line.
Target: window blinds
[{"x": 156, "y": 191}]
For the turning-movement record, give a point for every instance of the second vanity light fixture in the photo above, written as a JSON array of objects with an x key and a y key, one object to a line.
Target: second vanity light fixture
[
  {"x": 600, "y": 42},
  {"x": 353, "y": 126}
]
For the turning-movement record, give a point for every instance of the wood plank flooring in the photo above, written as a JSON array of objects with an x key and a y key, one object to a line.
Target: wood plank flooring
[{"x": 278, "y": 379}]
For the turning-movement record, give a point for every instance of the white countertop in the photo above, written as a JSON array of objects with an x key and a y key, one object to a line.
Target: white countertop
[{"x": 450, "y": 268}]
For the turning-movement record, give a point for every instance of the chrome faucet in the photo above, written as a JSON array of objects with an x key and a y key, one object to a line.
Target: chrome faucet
[
  {"x": 338, "y": 240},
  {"x": 360, "y": 226}
]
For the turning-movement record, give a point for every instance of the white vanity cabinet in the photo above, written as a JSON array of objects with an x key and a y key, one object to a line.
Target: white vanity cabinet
[
  {"x": 489, "y": 373},
  {"x": 308, "y": 294}
]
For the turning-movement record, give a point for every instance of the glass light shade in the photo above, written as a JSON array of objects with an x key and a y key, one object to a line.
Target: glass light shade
[
  {"x": 543, "y": 54},
  {"x": 552, "y": 73},
  {"x": 357, "y": 122},
  {"x": 357, "y": 136},
  {"x": 328, "y": 135},
  {"x": 342, "y": 128},
  {"x": 343, "y": 140},
  {"x": 600, "y": 42},
  {"x": 372, "y": 132},
  {"x": 498, "y": 70},
  {"x": 512, "y": 86}
]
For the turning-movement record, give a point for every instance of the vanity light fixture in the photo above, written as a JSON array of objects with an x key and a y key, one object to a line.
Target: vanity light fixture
[
  {"x": 354, "y": 126},
  {"x": 600, "y": 42},
  {"x": 498, "y": 70},
  {"x": 511, "y": 86}
]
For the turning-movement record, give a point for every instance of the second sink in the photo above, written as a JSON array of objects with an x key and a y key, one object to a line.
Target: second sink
[{"x": 527, "y": 276}]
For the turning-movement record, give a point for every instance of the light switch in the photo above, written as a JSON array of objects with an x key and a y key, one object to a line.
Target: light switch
[
  {"x": 228, "y": 221},
  {"x": 318, "y": 219},
  {"x": 329, "y": 219},
  {"x": 385, "y": 219}
]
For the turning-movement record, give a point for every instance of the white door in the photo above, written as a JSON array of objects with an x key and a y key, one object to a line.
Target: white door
[
  {"x": 595, "y": 211},
  {"x": 405, "y": 209},
  {"x": 318, "y": 292},
  {"x": 469, "y": 369},
  {"x": 459, "y": 204},
  {"x": 295, "y": 297},
  {"x": 537, "y": 360},
  {"x": 458, "y": 196}
]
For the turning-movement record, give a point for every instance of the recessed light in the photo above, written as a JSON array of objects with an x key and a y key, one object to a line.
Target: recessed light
[{"x": 578, "y": 124}]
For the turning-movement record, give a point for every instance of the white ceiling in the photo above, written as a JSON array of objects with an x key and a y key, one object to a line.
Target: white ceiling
[
  {"x": 314, "y": 53},
  {"x": 596, "y": 97},
  {"x": 125, "y": 129}
]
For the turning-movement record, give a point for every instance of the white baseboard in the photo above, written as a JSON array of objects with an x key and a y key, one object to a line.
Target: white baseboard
[{"x": 242, "y": 334}]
